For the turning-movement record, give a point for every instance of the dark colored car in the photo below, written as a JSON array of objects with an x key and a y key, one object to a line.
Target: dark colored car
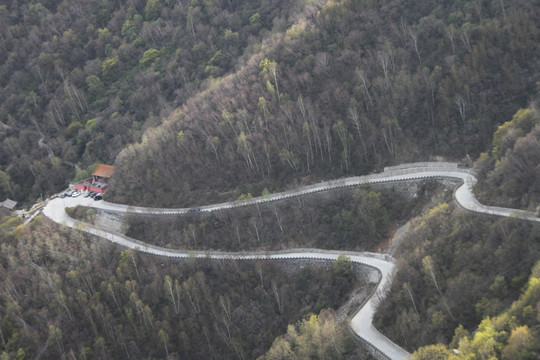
[
  {"x": 192, "y": 210},
  {"x": 98, "y": 197}
]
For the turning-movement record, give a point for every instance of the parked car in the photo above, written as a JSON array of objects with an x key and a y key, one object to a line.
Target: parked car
[
  {"x": 192, "y": 210},
  {"x": 62, "y": 195},
  {"x": 98, "y": 197},
  {"x": 86, "y": 194},
  {"x": 92, "y": 194},
  {"x": 75, "y": 193},
  {"x": 69, "y": 193}
]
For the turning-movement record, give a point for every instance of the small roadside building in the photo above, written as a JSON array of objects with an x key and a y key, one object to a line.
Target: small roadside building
[
  {"x": 6, "y": 207},
  {"x": 99, "y": 182},
  {"x": 103, "y": 172}
]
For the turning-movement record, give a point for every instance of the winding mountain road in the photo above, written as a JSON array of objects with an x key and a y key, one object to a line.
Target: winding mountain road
[{"x": 361, "y": 322}]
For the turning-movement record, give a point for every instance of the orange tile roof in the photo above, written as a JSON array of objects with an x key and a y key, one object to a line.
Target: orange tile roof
[{"x": 104, "y": 171}]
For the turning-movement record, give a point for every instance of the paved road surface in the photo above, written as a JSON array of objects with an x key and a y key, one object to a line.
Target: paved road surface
[{"x": 361, "y": 322}]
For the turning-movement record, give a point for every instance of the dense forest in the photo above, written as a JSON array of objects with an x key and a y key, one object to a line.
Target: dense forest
[
  {"x": 459, "y": 272},
  {"x": 64, "y": 295},
  {"x": 319, "y": 337},
  {"x": 512, "y": 169},
  {"x": 201, "y": 101},
  {"x": 344, "y": 90},
  {"x": 455, "y": 270},
  {"x": 81, "y": 79},
  {"x": 219, "y": 95},
  {"x": 359, "y": 219},
  {"x": 513, "y": 334}
]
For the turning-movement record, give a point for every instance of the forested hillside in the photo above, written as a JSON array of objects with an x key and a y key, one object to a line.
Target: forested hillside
[
  {"x": 319, "y": 337},
  {"x": 64, "y": 295},
  {"x": 454, "y": 270},
  {"x": 200, "y": 101},
  {"x": 511, "y": 171},
  {"x": 235, "y": 93},
  {"x": 345, "y": 89},
  {"x": 459, "y": 272},
  {"x": 359, "y": 219},
  {"x": 81, "y": 79},
  {"x": 514, "y": 334}
]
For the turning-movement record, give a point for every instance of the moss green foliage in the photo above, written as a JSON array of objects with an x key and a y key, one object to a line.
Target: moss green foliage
[
  {"x": 245, "y": 196},
  {"x": 64, "y": 62},
  {"x": 152, "y": 10},
  {"x": 512, "y": 171},
  {"x": 514, "y": 334},
  {"x": 149, "y": 57},
  {"x": 10, "y": 223},
  {"x": 82, "y": 174},
  {"x": 507, "y": 134},
  {"x": 110, "y": 68},
  {"x": 82, "y": 213},
  {"x": 317, "y": 337},
  {"x": 431, "y": 352},
  {"x": 69, "y": 294},
  {"x": 73, "y": 129}
]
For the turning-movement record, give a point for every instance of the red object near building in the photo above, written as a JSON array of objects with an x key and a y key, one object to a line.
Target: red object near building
[{"x": 99, "y": 182}]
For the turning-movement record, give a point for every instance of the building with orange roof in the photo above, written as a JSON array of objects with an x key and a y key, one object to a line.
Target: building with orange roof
[
  {"x": 99, "y": 182},
  {"x": 103, "y": 172}
]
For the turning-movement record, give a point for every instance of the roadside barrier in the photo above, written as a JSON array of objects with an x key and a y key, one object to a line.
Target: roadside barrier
[{"x": 405, "y": 172}]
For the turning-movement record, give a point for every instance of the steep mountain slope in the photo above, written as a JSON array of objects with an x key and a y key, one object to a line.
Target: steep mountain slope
[
  {"x": 85, "y": 78},
  {"x": 224, "y": 99},
  {"x": 345, "y": 89},
  {"x": 512, "y": 169},
  {"x": 457, "y": 270},
  {"x": 513, "y": 334},
  {"x": 255, "y": 92},
  {"x": 64, "y": 295}
]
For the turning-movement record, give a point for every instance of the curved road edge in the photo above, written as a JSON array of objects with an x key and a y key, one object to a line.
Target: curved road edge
[
  {"x": 361, "y": 322},
  {"x": 438, "y": 170}
]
